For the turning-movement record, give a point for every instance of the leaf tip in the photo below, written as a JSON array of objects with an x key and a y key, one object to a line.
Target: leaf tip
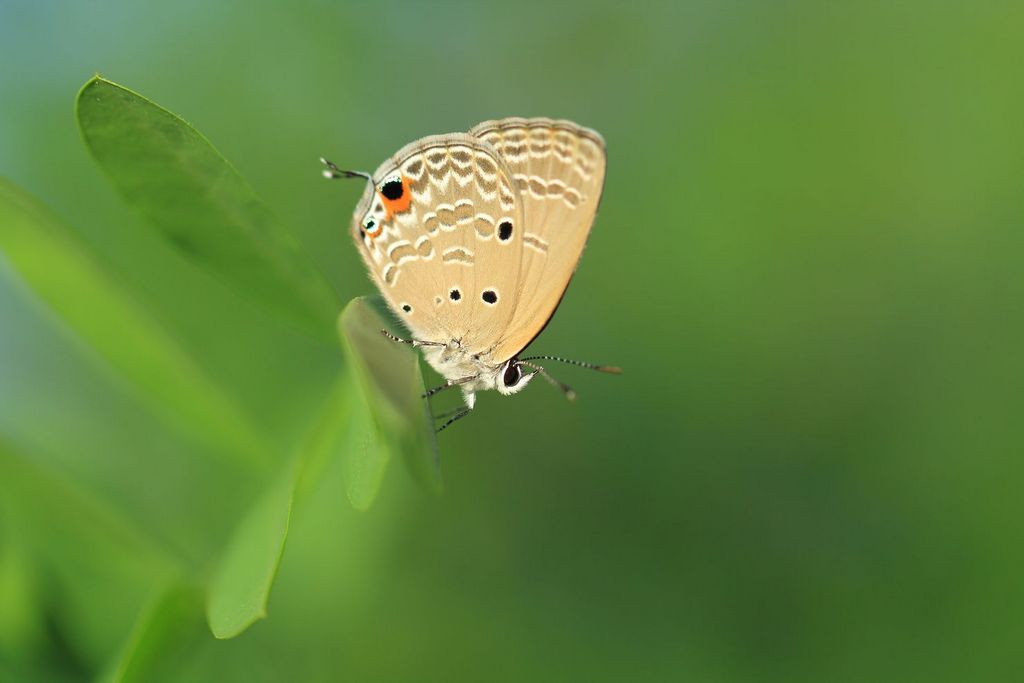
[
  {"x": 85, "y": 86},
  {"x": 95, "y": 79},
  {"x": 226, "y": 628}
]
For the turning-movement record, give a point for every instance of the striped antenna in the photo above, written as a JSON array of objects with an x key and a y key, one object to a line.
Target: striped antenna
[
  {"x": 610, "y": 369},
  {"x": 334, "y": 172},
  {"x": 566, "y": 389}
]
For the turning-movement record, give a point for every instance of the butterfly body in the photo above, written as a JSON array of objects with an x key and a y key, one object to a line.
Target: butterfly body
[
  {"x": 475, "y": 372},
  {"x": 472, "y": 239}
]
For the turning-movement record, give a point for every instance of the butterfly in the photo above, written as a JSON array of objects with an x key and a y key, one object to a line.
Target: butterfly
[{"x": 472, "y": 239}]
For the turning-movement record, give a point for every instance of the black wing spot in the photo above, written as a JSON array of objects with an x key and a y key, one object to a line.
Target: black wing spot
[
  {"x": 407, "y": 308},
  {"x": 392, "y": 189},
  {"x": 505, "y": 231},
  {"x": 455, "y": 295},
  {"x": 490, "y": 296}
]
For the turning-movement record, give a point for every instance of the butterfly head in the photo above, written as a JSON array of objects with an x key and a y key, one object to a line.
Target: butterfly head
[{"x": 511, "y": 377}]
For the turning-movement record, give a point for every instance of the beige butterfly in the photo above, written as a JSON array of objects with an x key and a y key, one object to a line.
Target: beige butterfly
[{"x": 472, "y": 239}]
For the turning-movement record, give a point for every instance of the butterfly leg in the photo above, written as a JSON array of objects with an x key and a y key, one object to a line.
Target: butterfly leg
[
  {"x": 414, "y": 342},
  {"x": 449, "y": 383},
  {"x": 449, "y": 413},
  {"x": 459, "y": 414}
]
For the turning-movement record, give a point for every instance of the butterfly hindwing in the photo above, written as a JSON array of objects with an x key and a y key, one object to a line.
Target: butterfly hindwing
[{"x": 557, "y": 168}]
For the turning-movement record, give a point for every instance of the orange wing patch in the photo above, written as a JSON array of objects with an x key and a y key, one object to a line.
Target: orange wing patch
[{"x": 395, "y": 195}]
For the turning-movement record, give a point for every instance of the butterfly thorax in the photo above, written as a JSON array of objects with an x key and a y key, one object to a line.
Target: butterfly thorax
[{"x": 474, "y": 372}]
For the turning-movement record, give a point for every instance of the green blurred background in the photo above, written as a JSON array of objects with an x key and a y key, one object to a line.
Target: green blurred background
[{"x": 808, "y": 261}]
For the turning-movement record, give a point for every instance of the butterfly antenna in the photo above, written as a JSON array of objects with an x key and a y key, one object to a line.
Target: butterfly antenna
[
  {"x": 334, "y": 172},
  {"x": 610, "y": 369},
  {"x": 566, "y": 389}
]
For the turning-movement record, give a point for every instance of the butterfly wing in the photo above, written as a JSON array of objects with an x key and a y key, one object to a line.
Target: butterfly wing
[
  {"x": 429, "y": 232},
  {"x": 558, "y": 170}
]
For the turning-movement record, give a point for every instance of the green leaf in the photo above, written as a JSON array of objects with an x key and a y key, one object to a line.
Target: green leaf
[
  {"x": 58, "y": 268},
  {"x": 163, "y": 638},
  {"x": 365, "y": 455},
  {"x": 92, "y": 558},
  {"x": 22, "y": 627},
  {"x": 325, "y": 436},
  {"x": 187, "y": 190},
  {"x": 391, "y": 386},
  {"x": 66, "y": 515},
  {"x": 241, "y": 586}
]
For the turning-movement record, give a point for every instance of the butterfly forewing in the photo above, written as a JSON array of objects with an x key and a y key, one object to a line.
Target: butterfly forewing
[
  {"x": 434, "y": 246},
  {"x": 557, "y": 168}
]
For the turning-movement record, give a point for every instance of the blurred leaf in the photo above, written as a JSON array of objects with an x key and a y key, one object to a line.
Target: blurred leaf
[
  {"x": 70, "y": 515},
  {"x": 365, "y": 455},
  {"x": 389, "y": 377},
  {"x": 241, "y": 586},
  {"x": 99, "y": 560},
  {"x": 60, "y": 271},
  {"x": 184, "y": 187},
  {"x": 164, "y": 635},
  {"x": 324, "y": 437},
  {"x": 21, "y": 619}
]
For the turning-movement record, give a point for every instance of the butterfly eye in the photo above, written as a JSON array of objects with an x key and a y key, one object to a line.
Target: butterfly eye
[
  {"x": 513, "y": 373},
  {"x": 511, "y": 378}
]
